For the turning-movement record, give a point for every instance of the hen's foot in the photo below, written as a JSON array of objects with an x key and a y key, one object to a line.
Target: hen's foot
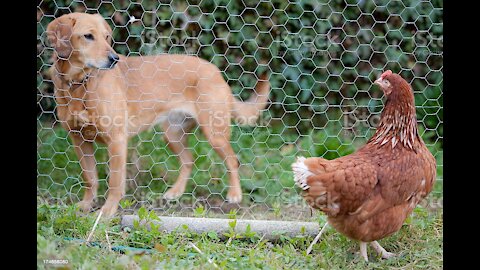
[{"x": 381, "y": 251}]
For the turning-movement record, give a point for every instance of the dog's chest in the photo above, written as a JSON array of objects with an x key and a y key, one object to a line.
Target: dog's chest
[
  {"x": 88, "y": 131},
  {"x": 79, "y": 121}
]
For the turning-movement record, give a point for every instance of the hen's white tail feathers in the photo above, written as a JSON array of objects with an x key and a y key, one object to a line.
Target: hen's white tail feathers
[{"x": 301, "y": 173}]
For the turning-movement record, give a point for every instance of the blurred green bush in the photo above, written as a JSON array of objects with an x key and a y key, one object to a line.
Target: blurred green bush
[{"x": 322, "y": 55}]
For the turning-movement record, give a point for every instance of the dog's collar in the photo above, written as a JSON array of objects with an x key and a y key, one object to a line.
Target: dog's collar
[{"x": 74, "y": 85}]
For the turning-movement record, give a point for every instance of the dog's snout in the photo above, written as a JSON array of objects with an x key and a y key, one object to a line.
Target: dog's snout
[{"x": 113, "y": 57}]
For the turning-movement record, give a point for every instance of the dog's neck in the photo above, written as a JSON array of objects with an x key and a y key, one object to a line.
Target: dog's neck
[{"x": 69, "y": 74}]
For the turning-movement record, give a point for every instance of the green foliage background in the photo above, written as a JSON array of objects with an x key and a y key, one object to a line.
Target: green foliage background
[{"x": 322, "y": 55}]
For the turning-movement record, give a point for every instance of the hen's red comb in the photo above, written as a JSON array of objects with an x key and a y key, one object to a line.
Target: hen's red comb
[{"x": 386, "y": 73}]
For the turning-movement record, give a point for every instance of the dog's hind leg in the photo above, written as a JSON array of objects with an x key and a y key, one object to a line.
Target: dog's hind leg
[
  {"x": 176, "y": 130},
  {"x": 85, "y": 153},
  {"x": 216, "y": 128}
]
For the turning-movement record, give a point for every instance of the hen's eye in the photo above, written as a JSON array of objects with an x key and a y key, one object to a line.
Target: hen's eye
[{"x": 89, "y": 36}]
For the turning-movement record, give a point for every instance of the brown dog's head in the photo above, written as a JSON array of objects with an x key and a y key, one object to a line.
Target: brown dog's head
[{"x": 83, "y": 39}]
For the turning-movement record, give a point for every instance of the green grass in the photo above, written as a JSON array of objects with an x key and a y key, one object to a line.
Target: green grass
[
  {"x": 265, "y": 155},
  {"x": 418, "y": 243}
]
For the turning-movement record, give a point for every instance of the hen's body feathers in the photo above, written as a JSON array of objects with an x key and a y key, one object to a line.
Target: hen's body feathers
[{"x": 367, "y": 195}]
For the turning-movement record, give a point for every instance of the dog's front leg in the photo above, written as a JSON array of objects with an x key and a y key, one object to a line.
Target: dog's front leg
[
  {"x": 117, "y": 150},
  {"x": 85, "y": 153}
]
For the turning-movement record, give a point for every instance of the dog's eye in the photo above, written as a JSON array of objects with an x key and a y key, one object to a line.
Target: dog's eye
[{"x": 89, "y": 36}]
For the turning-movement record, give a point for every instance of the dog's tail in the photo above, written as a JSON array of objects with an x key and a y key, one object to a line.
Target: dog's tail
[{"x": 247, "y": 112}]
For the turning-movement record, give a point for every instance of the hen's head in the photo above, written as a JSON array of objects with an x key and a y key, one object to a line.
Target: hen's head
[{"x": 394, "y": 86}]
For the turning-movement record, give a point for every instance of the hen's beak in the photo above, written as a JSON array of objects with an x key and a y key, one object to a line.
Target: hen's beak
[
  {"x": 381, "y": 83},
  {"x": 378, "y": 81},
  {"x": 384, "y": 85}
]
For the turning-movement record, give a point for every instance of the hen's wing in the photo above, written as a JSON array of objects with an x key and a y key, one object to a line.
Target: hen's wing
[
  {"x": 336, "y": 186},
  {"x": 407, "y": 177},
  {"x": 364, "y": 184}
]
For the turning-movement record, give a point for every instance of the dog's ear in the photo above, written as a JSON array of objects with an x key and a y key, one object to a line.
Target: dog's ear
[
  {"x": 107, "y": 27},
  {"x": 59, "y": 33}
]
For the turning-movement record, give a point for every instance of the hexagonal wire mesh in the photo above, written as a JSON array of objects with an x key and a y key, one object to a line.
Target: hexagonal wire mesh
[{"x": 321, "y": 56}]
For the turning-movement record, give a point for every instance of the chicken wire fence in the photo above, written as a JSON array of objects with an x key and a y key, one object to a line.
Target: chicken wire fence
[{"x": 321, "y": 57}]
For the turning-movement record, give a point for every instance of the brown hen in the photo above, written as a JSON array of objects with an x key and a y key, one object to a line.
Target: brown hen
[{"x": 368, "y": 195}]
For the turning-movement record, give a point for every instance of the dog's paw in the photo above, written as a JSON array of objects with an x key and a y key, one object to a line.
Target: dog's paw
[
  {"x": 172, "y": 194},
  {"x": 234, "y": 195},
  {"x": 85, "y": 205},
  {"x": 109, "y": 209}
]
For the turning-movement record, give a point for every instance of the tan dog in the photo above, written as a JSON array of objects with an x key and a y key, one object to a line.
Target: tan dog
[{"x": 118, "y": 97}]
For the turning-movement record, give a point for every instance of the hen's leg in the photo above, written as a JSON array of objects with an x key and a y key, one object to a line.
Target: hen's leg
[
  {"x": 381, "y": 251},
  {"x": 363, "y": 250}
]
